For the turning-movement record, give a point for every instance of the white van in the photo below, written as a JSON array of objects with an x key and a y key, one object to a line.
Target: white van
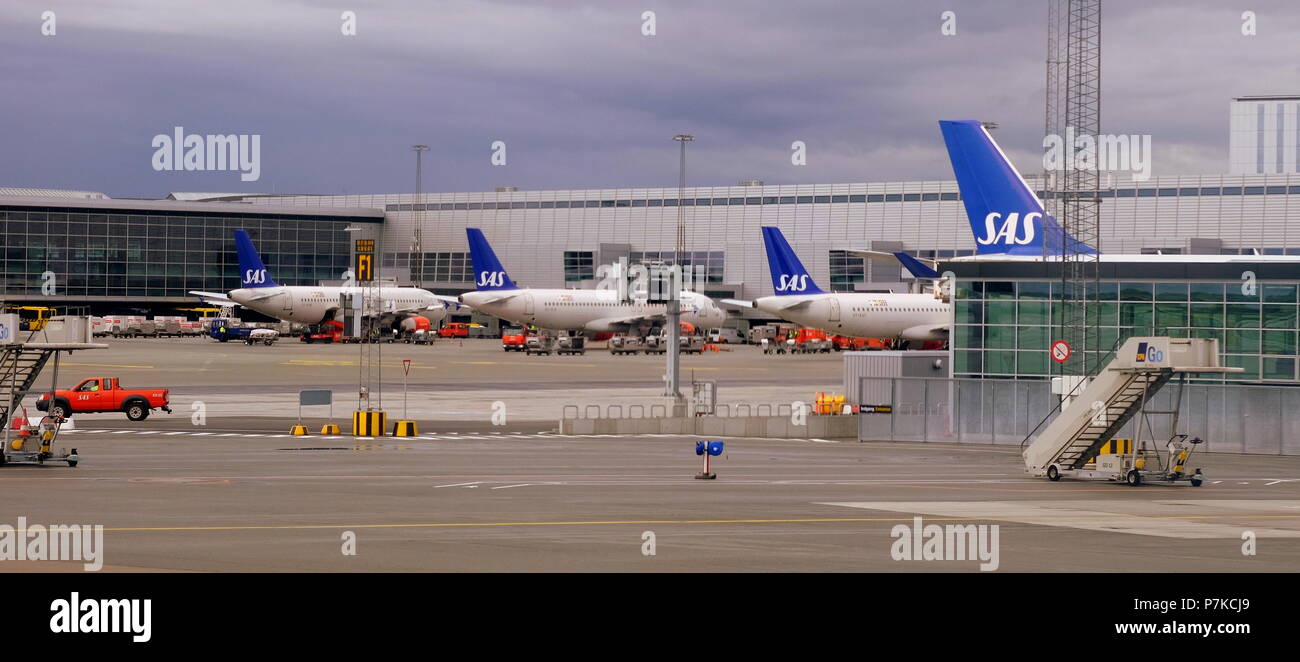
[{"x": 731, "y": 336}]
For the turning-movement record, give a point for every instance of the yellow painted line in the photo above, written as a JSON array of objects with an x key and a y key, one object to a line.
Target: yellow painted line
[
  {"x": 314, "y": 363},
  {"x": 805, "y": 520},
  {"x": 109, "y": 365}
]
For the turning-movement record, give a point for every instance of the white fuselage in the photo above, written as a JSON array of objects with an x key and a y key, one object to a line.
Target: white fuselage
[
  {"x": 313, "y": 305},
  {"x": 907, "y": 316},
  {"x": 595, "y": 311}
]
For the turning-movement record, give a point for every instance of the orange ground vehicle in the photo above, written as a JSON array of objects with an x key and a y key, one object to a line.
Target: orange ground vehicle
[
  {"x": 812, "y": 341},
  {"x": 513, "y": 339},
  {"x": 850, "y": 343},
  {"x": 101, "y": 394},
  {"x": 454, "y": 330}
]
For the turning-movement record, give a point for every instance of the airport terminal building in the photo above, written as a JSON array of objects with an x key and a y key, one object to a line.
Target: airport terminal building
[{"x": 149, "y": 253}]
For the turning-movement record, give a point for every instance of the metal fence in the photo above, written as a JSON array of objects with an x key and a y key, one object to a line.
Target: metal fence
[{"x": 1230, "y": 418}]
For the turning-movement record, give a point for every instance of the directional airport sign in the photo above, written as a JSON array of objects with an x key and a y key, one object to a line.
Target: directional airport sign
[
  {"x": 365, "y": 269},
  {"x": 365, "y": 261}
]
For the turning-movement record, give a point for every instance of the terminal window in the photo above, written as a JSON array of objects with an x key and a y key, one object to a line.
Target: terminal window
[
  {"x": 160, "y": 255},
  {"x": 578, "y": 266},
  {"x": 712, "y": 262},
  {"x": 433, "y": 267},
  {"x": 846, "y": 271},
  {"x": 1005, "y": 327}
]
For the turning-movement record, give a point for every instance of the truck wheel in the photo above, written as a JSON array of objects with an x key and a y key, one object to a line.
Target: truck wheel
[
  {"x": 136, "y": 411},
  {"x": 72, "y": 463},
  {"x": 60, "y": 409},
  {"x": 1133, "y": 478},
  {"x": 1053, "y": 474}
]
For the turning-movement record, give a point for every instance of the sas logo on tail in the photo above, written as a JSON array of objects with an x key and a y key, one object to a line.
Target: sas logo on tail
[
  {"x": 491, "y": 278},
  {"x": 1014, "y": 230},
  {"x": 254, "y": 276},
  {"x": 792, "y": 283}
]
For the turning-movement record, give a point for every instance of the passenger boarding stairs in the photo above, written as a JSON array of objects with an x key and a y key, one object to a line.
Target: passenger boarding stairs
[
  {"x": 1116, "y": 394},
  {"x": 20, "y": 365},
  {"x": 24, "y": 354}
]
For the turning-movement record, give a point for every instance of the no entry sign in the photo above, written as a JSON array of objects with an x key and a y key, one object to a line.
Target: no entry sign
[{"x": 1060, "y": 351}]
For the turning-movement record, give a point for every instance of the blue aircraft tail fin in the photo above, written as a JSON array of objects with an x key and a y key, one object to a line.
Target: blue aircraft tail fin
[
  {"x": 488, "y": 272},
  {"x": 915, "y": 266},
  {"x": 252, "y": 273},
  {"x": 1005, "y": 215},
  {"x": 788, "y": 274}
]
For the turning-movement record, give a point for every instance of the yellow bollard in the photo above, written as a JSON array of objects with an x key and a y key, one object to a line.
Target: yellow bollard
[
  {"x": 298, "y": 430},
  {"x": 405, "y": 429},
  {"x": 329, "y": 428}
]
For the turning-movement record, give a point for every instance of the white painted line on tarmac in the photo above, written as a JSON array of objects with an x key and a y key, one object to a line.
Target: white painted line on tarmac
[
  {"x": 506, "y": 487},
  {"x": 149, "y": 432},
  {"x": 173, "y": 434},
  {"x": 121, "y": 432},
  {"x": 458, "y": 484},
  {"x": 200, "y": 434}
]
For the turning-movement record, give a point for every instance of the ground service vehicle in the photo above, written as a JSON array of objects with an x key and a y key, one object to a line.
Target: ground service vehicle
[
  {"x": 103, "y": 394},
  {"x": 626, "y": 344},
  {"x": 328, "y": 332},
  {"x": 849, "y": 343},
  {"x": 724, "y": 335},
  {"x": 539, "y": 344},
  {"x": 573, "y": 343},
  {"x": 221, "y": 331},
  {"x": 812, "y": 341},
  {"x": 454, "y": 330},
  {"x": 513, "y": 339}
]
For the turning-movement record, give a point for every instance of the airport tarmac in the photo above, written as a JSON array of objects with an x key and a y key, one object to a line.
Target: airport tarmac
[
  {"x": 238, "y": 493},
  {"x": 450, "y": 380},
  {"x": 236, "y": 500}
]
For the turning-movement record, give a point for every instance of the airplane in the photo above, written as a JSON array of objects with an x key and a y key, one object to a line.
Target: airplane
[
  {"x": 308, "y": 304},
  {"x": 590, "y": 311},
  {"x": 1009, "y": 221},
  {"x": 864, "y": 315}
]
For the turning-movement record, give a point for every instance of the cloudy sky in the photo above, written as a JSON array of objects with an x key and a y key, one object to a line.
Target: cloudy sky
[{"x": 582, "y": 99}]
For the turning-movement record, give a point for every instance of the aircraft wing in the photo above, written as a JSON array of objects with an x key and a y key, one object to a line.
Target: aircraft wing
[
  {"x": 417, "y": 308},
  {"x": 505, "y": 295},
  {"x": 213, "y": 297},
  {"x": 738, "y": 303},
  {"x": 622, "y": 323},
  {"x": 452, "y": 303}
]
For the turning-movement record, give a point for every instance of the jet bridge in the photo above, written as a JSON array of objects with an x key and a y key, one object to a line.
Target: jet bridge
[{"x": 1071, "y": 444}]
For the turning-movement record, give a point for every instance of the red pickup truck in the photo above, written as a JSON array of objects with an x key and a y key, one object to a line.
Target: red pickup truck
[{"x": 101, "y": 394}]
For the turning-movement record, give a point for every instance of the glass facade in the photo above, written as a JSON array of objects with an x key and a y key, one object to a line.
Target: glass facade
[
  {"x": 846, "y": 271},
  {"x": 714, "y": 262},
  {"x": 1003, "y": 327},
  {"x": 150, "y": 253},
  {"x": 578, "y": 266},
  {"x": 440, "y": 267}
]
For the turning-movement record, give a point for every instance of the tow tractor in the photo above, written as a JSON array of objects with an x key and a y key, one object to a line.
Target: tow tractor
[{"x": 1079, "y": 442}]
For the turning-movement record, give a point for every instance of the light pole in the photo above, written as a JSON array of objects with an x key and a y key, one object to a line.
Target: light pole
[
  {"x": 674, "y": 307},
  {"x": 417, "y": 243}
]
